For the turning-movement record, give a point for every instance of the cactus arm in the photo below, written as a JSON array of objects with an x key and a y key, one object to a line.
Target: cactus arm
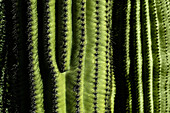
[
  {"x": 35, "y": 76},
  {"x": 63, "y": 34},
  {"x": 54, "y": 80},
  {"x": 75, "y": 77}
]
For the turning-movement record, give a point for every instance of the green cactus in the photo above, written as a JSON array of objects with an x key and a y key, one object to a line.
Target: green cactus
[{"x": 84, "y": 56}]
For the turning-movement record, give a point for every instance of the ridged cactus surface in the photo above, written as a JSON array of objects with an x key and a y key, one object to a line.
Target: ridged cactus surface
[{"x": 84, "y": 56}]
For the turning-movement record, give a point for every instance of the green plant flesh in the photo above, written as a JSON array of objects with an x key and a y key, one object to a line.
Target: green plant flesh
[{"x": 85, "y": 56}]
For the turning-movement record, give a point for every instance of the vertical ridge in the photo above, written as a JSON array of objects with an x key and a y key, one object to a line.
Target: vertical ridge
[
  {"x": 90, "y": 62},
  {"x": 63, "y": 34},
  {"x": 167, "y": 8},
  {"x": 162, "y": 16},
  {"x": 108, "y": 79},
  {"x": 136, "y": 59},
  {"x": 147, "y": 58},
  {"x": 75, "y": 76},
  {"x": 121, "y": 37},
  {"x": 95, "y": 76},
  {"x": 95, "y": 106},
  {"x": 110, "y": 65},
  {"x": 112, "y": 83},
  {"x": 80, "y": 71},
  {"x": 155, "y": 37},
  {"x": 127, "y": 58},
  {"x": 100, "y": 56},
  {"x": 34, "y": 71},
  {"x": 54, "y": 81},
  {"x": 112, "y": 75}
]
